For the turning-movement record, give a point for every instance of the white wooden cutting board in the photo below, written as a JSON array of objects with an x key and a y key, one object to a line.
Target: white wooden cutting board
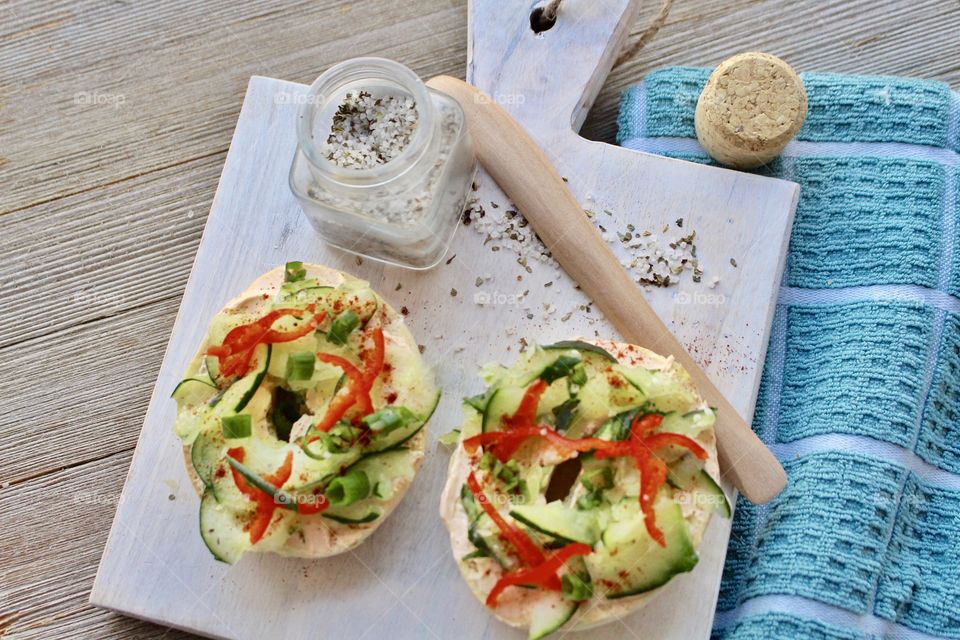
[{"x": 403, "y": 582}]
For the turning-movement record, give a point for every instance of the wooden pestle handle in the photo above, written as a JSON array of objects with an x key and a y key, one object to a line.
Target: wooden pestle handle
[{"x": 529, "y": 179}]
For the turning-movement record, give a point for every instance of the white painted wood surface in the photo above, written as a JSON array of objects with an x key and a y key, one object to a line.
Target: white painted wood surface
[{"x": 403, "y": 582}]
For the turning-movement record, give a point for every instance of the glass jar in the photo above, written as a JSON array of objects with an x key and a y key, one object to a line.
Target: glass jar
[{"x": 403, "y": 211}]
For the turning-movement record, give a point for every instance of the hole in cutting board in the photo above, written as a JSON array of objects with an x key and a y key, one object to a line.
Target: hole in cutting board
[{"x": 541, "y": 21}]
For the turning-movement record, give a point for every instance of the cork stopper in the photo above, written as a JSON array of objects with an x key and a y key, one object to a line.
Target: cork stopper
[{"x": 752, "y": 106}]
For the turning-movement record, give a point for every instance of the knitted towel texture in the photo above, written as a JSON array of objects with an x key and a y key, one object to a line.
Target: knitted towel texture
[{"x": 860, "y": 393}]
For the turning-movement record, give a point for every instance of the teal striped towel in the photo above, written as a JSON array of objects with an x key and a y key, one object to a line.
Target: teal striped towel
[{"x": 860, "y": 394}]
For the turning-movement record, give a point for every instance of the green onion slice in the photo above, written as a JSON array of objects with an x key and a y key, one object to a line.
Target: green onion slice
[
  {"x": 294, "y": 271},
  {"x": 346, "y": 489},
  {"x": 342, "y": 325},
  {"x": 390, "y": 418},
  {"x": 300, "y": 365},
  {"x": 576, "y": 588},
  {"x": 236, "y": 426}
]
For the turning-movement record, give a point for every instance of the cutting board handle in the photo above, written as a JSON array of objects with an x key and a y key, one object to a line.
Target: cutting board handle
[
  {"x": 530, "y": 180},
  {"x": 554, "y": 76}
]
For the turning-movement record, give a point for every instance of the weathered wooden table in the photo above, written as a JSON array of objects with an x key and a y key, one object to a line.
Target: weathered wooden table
[{"x": 116, "y": 117}]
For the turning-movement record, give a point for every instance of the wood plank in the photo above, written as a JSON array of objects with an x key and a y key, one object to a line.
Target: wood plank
[
  {"x": 103, "y": 373},
  {"x": 77, "y": 259},
  {"x": 50, "y": 554},
  {"x": 844, "y": 36},
  {"x": 176, "y": 96}
]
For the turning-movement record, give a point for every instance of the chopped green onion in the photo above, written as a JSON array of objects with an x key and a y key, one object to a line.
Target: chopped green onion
[
  {"x": 300, "y": 365},
  {"x": 450, "y": 438},
  {"x": 618, "y": 427},
  {"x": 281, "y": 498},
  {"x": 342, "y": 325},
  {"x": 469, "y": 504},
  {"x": 575, "y": 588},
  {"x": 294, "y": 271},
  {"x": 346, "y": 489},
  {"x": 565, "y": 413},
  {"x": 590, "y": 500},
  {"x": 236, "y": 426},
  {"x": 579, "y": 376},
  {"x": 340, "y": 438},
  {"x": 562, "y": 366},
  {"x": 488, "y": 461},
  {"x": 389, "y": 418}
]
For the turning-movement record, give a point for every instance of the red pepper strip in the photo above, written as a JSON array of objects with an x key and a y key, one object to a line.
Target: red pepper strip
[
  {"x": 265, "y": 504},
  {"x": 357, "y": 385},
  {"x": 319, "y": 505},
  {"x": 543, "y": 575},
  {"x": 237, "y": 348},
  {"x": 642, "y": 425},
  {"x": 336, "y": 410},
  {"x": 273, "y": 336},
  {"x": 653, "y": 473},
  {"x": 529, "y": 553},
  {"x": 526, "y": 413}
]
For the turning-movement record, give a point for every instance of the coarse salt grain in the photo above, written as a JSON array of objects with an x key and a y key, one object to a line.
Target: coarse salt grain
[
  {"x": 367, "y": 131},
  {"x": 653, "y": 259}
]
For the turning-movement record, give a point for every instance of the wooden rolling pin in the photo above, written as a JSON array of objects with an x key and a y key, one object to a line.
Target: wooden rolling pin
[{"x": 529, "y": 179}]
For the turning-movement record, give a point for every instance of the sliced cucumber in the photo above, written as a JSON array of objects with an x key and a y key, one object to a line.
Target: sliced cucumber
[
  {"x": 504, "y": 402},
  {"x": 221, "y": 530},
  {"x": 205, "y": 454},
  {"x": 580, "y": 345},
  {"x": 343, "y": 519},
  {"x": 550, "y": 612},
  {"x": 618, "y": 427},
  {"x": 629, "y": 561},
  {"x": 559, "y": 521},
  {"x": 399, "y": 437},
  {"x": 236, "y": 397},
  {"x": 212, "y": 365},
  {"x": 385, "y": 470},
  {"x": 194, "y": 391},
  {"x": 594, "y": 407},
  {"x": 302, "y": 292},
  {"x": 353, "y": 295},
  {"x": 481, "y": 530},
  {"x": 712, "y": 488},
  {"x": 659, "y": 388},
  {"x": 685, "y": 471},
  {"x": 689, "y": 424}
]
